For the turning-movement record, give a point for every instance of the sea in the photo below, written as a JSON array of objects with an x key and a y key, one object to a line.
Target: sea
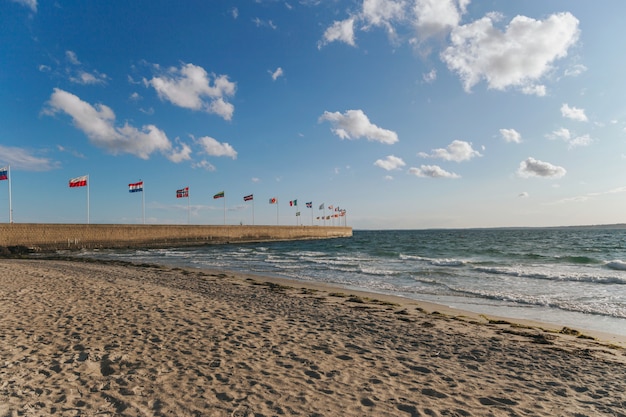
[{"x": 574, "y": 277}]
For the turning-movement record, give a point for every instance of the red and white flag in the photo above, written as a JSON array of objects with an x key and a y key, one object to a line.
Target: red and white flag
[
  {"x": 78, "y": 181},
  {"x": 182, "y": 193}
]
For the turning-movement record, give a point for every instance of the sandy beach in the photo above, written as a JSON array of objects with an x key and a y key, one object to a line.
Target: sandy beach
[{"x": 113, "y": 339}]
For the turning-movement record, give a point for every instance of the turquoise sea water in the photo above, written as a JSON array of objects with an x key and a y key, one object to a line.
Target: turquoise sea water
[{"x": 574, "y": 277}]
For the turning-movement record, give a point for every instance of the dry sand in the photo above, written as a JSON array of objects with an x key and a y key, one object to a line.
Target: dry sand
[{"x": 81, "y": 338}]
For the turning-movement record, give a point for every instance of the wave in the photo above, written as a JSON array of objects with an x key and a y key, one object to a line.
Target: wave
[
  {"x": 550, "y": 276},
  {"x": 616, "y": 265},
  {"x": 434, "y": 262},
  {"x": 602, "y": 309}
]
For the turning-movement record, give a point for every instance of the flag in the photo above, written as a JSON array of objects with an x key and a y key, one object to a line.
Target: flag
[
  {"x": 330, "y": 207},
  {"x": 297, "y": 213},
  {"x": 248, "y": 197},
  {"x": 309, "y": 205},
  {"x": 321, "y": 206},
  {"x": 293, "y": 203},
  {"x": 182, "y": 193},
  {"x": 136, "y": 187},
  {"x": 4, "y": 173},
  {"x": 219, "y": 195},
  {"x": 273, "y": 200},
  {"x": 78, "y": 181}
]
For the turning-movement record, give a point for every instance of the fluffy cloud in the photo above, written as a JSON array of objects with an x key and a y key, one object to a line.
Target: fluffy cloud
[
  {"x": 511, "y": 135},
  {"x": 517, "y": 57},
  {"x": 191, "y": 87},
  {"x": 382, "y": 12},
  {"x": 23, "y": 159},
  {"x": 437, "y": 17},
  {"x": 81, "y": 76},
  {"x": 341, "y": 31},
  {"x": 573, "y": 113},
  {"x": 277, "y": 73},
  {"x": 571, "y": 140},
  {"x": 214, "y": 148},
  {"x": 98, "y": 123},
  {"x": 354, "y": 124},
  {"x": 390, "y": 163},
  {"x": 532, "y": 167},
  {"x": 432, "y": 171},
  {"x": 457, "y": 151}
]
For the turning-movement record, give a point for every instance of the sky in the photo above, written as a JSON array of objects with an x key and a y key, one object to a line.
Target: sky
[{"x": 407, "y": 114}]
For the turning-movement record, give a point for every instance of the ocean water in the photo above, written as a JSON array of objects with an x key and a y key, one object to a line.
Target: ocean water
[{"x": 574, "y": 277}]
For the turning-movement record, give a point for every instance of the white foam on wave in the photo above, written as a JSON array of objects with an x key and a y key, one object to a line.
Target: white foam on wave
[{"x": 617, "y": 265}]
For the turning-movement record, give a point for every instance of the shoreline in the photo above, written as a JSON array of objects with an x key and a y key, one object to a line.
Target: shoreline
[{"x": 87, "y": 337}]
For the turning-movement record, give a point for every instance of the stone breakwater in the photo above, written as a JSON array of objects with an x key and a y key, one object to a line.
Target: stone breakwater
[{"x": 44, "y": 237}]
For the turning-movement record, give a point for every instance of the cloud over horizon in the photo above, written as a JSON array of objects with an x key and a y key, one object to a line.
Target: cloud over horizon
[{"x": 354, "y": 124}]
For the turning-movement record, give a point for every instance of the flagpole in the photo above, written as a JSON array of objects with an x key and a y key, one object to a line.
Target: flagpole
[
  {"x": 143, "y": 201},
  {"x": 88, "y": 185},
  {"x": 10, "y": 203},
  {"x": 224, "y": 210},
  {"x": 188, "y": 207},
  {"x": 252, "y": 211},
  {"x": 277, "y": 213}
]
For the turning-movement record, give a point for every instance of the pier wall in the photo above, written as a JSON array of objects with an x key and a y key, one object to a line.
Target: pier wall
[{"x": 87, "y": 236}]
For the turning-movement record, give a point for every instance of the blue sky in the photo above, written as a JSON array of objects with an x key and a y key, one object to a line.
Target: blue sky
[{"x": 407, "y": 114}]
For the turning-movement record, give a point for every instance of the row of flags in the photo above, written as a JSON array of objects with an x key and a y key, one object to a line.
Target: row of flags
[{"x": 83, "y": 181}]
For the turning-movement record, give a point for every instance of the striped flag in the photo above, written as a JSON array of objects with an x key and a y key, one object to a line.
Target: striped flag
[
  {"x": 248, "y": 197},
  {"x": 219, "y": 195},
  {"x": 182, "y": 193},
  {"x": 135, "y": 187},
  {"x": 293, "y": 203},
  {"x": 4, "y": 173},
  {"x": 78, "y": 182}
]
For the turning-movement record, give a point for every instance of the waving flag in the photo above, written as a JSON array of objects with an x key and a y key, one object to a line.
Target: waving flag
[
  {"x": 293, "y": 203},
  {"x": 135, "y": 187},
  {"x": 273, "y": 200},
  {"x": 78, "y": 182},
  {"x": 219, "y": 195},
  {"x": 4, "y": 173},
  {"x": 321, "y": 206},
  {"x": 182, "y": 193},
  {"x": 309, "y": 205},
  {"x": 248, "y": 197}
]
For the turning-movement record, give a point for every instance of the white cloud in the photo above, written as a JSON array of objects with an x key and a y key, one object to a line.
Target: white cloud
[
  {"x": 342, "y": 31},
  {"x": 390, "y": 163},
  {"x": 511, "y": 135},
  {"x": 32, "y": 4},
  {"x": 191, "y": 87},
  {"x": 98, "y": 123},
  {"x": 255, "y": 180},
  {"x": 234, "y": 12},
  {"x": 517, "y": 57},
  {"x": 573, "y": 113},
  {"x": 437, "y": 17},
  {"x": 382, "y": 12},
  {"x": 432, "y": 171},
  {"x": 24, "y": 159},
  {"x": 430, "y": 76},
  {"x": 523, "y": 195},
  {"x": 457, "y": 151},
  {"x": 79, "y": 75},
  {"x": 204, "y": 164},
  {"x": 71, "y": 56},
  {"x": 183, "y": 153},
  {"x": 277, "y": 73},
  {"x": 561, "y": 133},
  {"x": 575, "y": 70},
  {"x": 388, "y": 178},
  {"x": 214, "y": 148},
  {"x": 534, "y": 90},
  {"x": 532, "y": 167},
  {"x": 579, "y": 141},
  {"x": 354, "y": 124}
]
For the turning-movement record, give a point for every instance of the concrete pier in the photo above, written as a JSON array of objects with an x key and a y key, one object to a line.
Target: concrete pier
[{"x": 43, "y": 237}]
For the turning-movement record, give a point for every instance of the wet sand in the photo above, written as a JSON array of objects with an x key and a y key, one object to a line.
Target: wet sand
[{"x": 105, "y": 339}]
